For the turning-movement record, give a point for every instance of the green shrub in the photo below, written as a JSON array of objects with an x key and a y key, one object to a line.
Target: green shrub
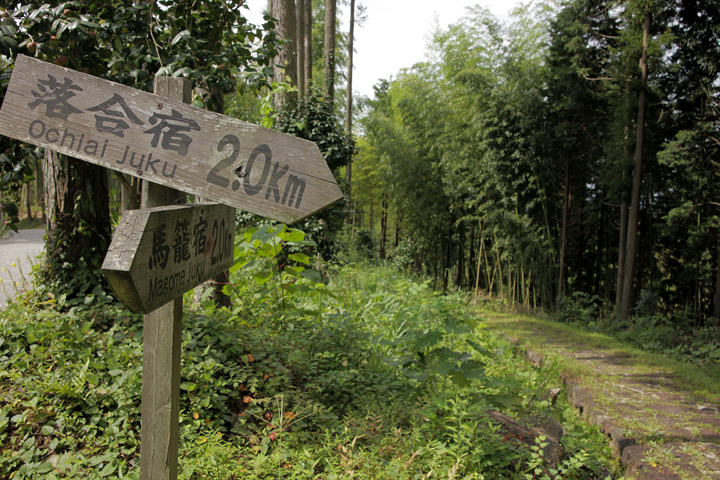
[
  {"x": 366, "y": 375},
  {"x": 578, "y": 308},
  {"x": 402, "y": 257}
]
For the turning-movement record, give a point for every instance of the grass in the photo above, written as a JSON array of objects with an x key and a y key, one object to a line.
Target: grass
[
  {"x": 651, "y": 396},
  {"x": 23, "y": 224},
  {"x": 702, "y": 381},
  {"x": 30, "y": 224},
  {"x": 369, "y": 375}
]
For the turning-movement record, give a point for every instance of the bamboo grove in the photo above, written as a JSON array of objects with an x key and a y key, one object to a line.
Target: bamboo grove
[{"x": 571, "y": 152}]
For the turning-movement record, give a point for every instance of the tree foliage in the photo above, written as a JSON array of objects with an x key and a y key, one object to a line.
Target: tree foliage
[
  {"x": 312, "y": 118},
  {"x": 508, "y": 154},
  {"x": 129, "y": 42}
]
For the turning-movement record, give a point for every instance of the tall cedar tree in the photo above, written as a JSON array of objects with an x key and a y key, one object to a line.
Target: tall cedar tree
[
  {"x": 329, "y": 53},
  {"x": 286, "y": 63}
]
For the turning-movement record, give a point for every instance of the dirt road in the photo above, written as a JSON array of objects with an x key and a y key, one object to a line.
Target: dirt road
[
  {"x": 657, "y": 427},
  {"x": 17, "y": 256}
]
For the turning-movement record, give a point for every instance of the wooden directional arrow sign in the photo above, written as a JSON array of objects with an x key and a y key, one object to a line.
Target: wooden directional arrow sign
[
  {"x": 157, "y": 254},
  {"x": 167, "y": 142}
]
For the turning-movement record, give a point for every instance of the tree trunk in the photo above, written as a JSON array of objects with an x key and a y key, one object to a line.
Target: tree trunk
[
  {"x": 398, "y": 227},
  {"x": 308, "y": 67},
  {"x": 501, "y": 288},
  {"x": 78, "y": 223},
  {"x": 383, "y": 228},
  {"x": 622, "y": 241},
  {"x": 28, "y": 200},
  {"x": 471, "y": 256},
  {"x": 300, "y": 47},
  {"x": 39, "y": 189},
  {"x": 354, "y": 215},
  {"x": 563, "y": 236},
  {"x": 447, "y": 259},
  {"x": 599, "y": 258},
  {"x": 329, "y": 54},
  {"x": 371, "y": 219},
  {"x": 460, "y": 262},
  {"x": 286, "y": 61},
  {"x": 349, "y": 96},
  {"x": 716, "y": 305},
  {"x": 633, "y": 214},
  {"x": 479, "y": 260}
]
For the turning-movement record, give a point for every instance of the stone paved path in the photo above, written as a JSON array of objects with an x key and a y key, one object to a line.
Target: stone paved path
[
  {"x": 658, "y": 429},
  {"x": 17, "y": 255}
]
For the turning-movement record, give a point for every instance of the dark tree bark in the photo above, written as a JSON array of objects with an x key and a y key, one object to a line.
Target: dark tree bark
[
  {"x": 621, "y": 245},
  {"x": 329, "y": 55},
  {"x": 349, "y": 96},
  {"x": 300, "y": 47},
  {"x": 39, "y": 189},
  {"x": 286, "y": 61},
  {"x": 563, "y": 235},
  {"x": 383, "y": 228},
  {"x": 307, "y": 14},
  {"x": 28, "y": 200},
  {"x": 599, "y": 257},
  {"x": 78, "y": 222},
  {"x": 398, "y": 227},
  {"x": 633, "y": 214},
  {"x": 716, "y": 305},
  {"x": 460, "y": 262},
  {"x": 371, "y": 219},
  {"x": 471, "y": 256}
]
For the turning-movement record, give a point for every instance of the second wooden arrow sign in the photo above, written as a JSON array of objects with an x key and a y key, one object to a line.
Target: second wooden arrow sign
[{"x": 157, "y": 254}]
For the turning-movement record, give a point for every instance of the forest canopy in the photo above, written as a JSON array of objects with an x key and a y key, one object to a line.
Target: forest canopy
[{"x": 569, "y": 155}]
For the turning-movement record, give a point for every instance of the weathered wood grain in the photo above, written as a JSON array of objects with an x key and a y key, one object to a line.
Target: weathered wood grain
[
  {"x": 160, "y": 419},
  {"x": 157, "y": 254},
  {"x": 162, "y": 342},
  {"x": 167, "y": 142}
]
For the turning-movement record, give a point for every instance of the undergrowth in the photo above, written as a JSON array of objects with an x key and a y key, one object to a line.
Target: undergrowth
[
  {"x": 317, "y": 372},
  {"x": 675, "y": 334}
]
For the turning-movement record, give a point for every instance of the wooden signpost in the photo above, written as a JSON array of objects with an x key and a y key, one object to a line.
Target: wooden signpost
[
  {"x": 159, "y": 253},
  {"x": 166, "y": 142}
]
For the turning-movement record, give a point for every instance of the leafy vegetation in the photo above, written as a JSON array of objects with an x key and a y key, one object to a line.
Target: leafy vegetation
[
  {"x": 369, "y": 374},
  {"x": 129, "y": 42},
  {"x": 649, "y": 330},
  {"x": 515, "y": 159},
  {"x": 701, "y": 377},
  {"x": 503, "y": 164}
]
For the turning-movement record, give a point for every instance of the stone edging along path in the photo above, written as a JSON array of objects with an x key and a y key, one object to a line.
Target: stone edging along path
[{"x": 657, "y": 429}]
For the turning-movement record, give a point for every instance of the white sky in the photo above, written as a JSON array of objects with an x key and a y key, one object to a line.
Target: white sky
[{"x": 395, "y": 33}]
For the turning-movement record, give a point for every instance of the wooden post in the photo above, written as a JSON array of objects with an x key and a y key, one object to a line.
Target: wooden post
[{"x": 162, "y": 340}]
